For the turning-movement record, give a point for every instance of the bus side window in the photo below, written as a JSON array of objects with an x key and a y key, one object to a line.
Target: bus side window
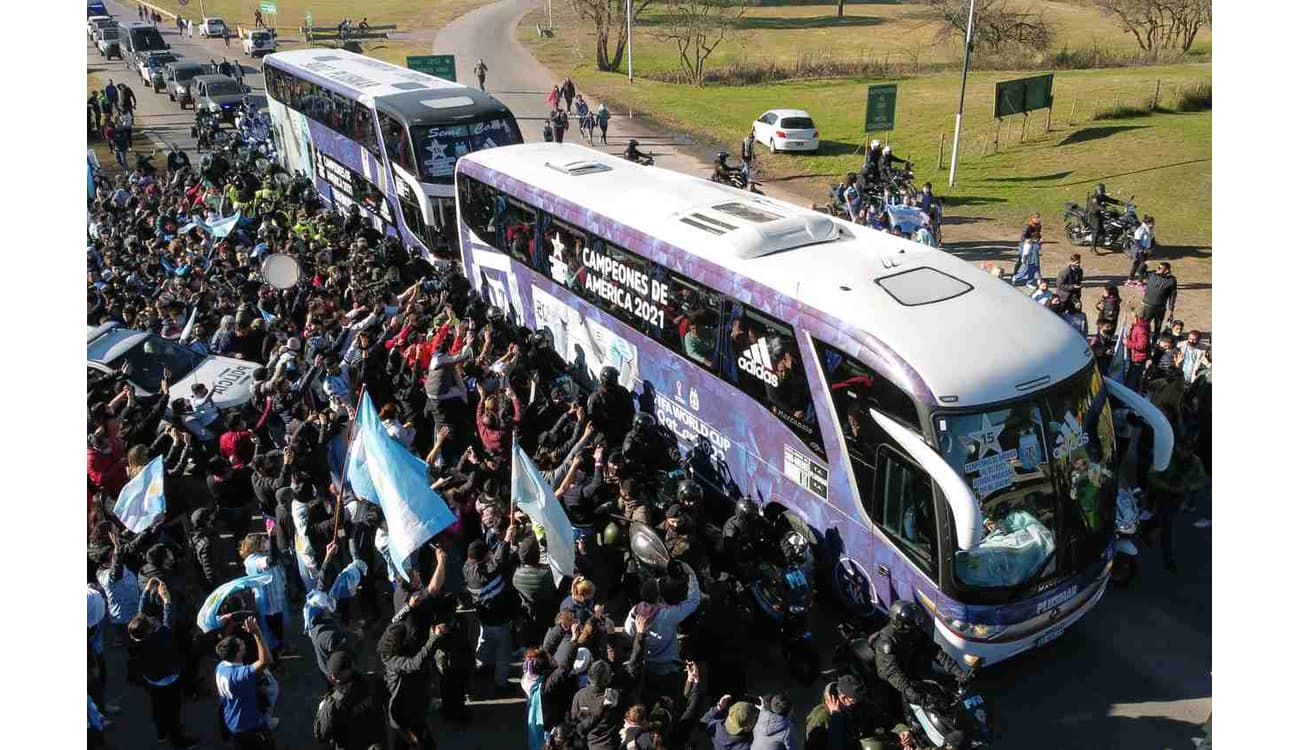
[
  {"x": 518, "y": 224},
  {"x": 764, "y": 362},
  {"x": 691, "y": 326},
  {"x": 476, "y": 201},
  {"x": 905, "y": 508},
  {"x": 395, "y": 142}
]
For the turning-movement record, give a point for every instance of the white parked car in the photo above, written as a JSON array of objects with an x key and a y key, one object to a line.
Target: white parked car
[
  {"x": 150, "y": 66},
  {"x": 212, "y": 27},
  {"x": 786, "y": 130},
  {"x": 258, "y": 42},
  {"x": 95, "y": 23},
  {"x": 109, "y": 347}
]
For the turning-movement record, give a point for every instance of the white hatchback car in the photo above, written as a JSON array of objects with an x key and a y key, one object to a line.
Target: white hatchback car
[{"x": 786, "y": 130}]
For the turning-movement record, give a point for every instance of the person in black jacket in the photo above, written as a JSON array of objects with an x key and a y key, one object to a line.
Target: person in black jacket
[
  {"x": 610, "y": 408},
  {"x": 1097, "y": 203},
  {"x": 1069, "y": 283},
  {"x": 351, "y": 715},
  {"x": 1161, "y": 296},
  {"x": 156, "y": 661},
  {"x": 905, "y": 653},
  {"x": 209, "y": 567},
  {"x": 488, "y": 580},
  {"x": 406, "y": 674}
]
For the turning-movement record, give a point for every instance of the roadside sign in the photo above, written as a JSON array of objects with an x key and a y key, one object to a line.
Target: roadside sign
[
  {"x": 1022, "y": 95},
  {"x": 442, "y": 66},
  {"x": 880, "y": 107},
  {"x": 266, "y": 6}
]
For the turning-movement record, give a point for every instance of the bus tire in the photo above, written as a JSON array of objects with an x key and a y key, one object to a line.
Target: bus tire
[{"x": 796, "y": 523}]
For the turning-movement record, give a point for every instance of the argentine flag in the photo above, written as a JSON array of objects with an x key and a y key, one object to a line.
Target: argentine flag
[
  {"x": 382, "y": 471},
  {"x": 142, "y": 500},
  {"x": 534, "y": 496}
]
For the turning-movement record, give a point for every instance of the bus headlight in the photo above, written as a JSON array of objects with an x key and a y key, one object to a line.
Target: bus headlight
[{"x": 973, "y": 630}]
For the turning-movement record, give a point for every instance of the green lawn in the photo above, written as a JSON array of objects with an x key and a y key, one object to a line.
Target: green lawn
[
  {"x": 1163, "y": 159},
  {"x": 896, "y": 32}
]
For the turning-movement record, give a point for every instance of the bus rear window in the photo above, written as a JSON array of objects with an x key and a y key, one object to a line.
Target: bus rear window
[{"x": 437, "y": 147}]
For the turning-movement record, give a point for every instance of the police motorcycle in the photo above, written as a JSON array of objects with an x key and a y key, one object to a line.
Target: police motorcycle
[{"x": 953, "y": 716}]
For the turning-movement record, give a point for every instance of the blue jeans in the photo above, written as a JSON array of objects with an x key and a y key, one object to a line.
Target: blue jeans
[
  {"x": 1029, "y": 272},
  {"x": 494, "y": 648}
]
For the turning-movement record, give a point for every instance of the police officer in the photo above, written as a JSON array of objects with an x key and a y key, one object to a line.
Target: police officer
[
  {"x": 646, "y": 448},
  {"x": 610, "y": 408},
  {"x": 745, "y": 538},
  {"x": 632, "y": 153},
  {"x": 351, "y": 715},
  {"x": 1097, "y": 203},
  {"x": 905, "y": 652}
]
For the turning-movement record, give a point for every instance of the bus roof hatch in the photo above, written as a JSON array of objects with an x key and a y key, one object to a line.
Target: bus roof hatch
[{"x": 759, "y": 239}]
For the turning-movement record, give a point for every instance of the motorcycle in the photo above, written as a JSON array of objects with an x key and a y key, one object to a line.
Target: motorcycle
[
  {"x": 1116, "y": 228},
  {"x": 1127, "y": 523},
  {"x": 646, "y": 161},
  {"x": 948, "y": 710}
]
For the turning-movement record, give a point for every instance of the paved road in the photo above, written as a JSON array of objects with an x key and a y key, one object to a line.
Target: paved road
[
  {"x": 518, "y": 79},
  {"x": 1133, "y": 673}
]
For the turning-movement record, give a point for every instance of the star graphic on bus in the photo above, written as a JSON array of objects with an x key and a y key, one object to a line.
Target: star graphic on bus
[
  {"x": 437, "y": 150},
  {"x": 986, "y": 437}
]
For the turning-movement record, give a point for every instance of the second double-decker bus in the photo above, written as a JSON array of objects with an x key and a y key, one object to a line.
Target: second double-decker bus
[
  {"x": 379, "y": 136},
  {"x": 864, "y": 382}
]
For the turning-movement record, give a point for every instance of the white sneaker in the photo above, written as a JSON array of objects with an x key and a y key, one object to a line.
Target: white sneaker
[{"x": 1203, "y": 523}]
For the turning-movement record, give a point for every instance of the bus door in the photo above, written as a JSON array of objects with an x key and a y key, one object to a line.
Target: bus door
[{"x": 412, "y": 203}]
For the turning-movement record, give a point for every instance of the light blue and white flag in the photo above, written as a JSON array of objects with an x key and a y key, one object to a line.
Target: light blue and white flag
[
  {"x": 533, "y": 495},
  {"x": 1119, "y": 357},
  {"x": 382, "y": 471},
  {"x": 222, "y": 227},
  {"x": 142, "y": 500},
  {"x": 207, "y": 619}
]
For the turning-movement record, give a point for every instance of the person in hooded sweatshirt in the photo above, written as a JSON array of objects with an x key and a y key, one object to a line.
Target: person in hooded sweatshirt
[
  {"x": 775, "y": 730},
  {"x": 663, "y": 667},
  {"x": 731, "y": 725}
]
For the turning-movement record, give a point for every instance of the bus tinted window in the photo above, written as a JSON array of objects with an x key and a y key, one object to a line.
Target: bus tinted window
[
  {"x": 905, "y": 503},
  {"x": 395, "y": 142},
  {"x": 476, "y": 207},
  {"x": 437, "y": 147},
  {"x": 335, "y": 111},
  {"x": 693, "y": 314},
  {"x": 764, "y": 362}
]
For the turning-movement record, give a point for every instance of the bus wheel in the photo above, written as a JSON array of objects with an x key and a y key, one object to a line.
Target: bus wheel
[{"x": 853, "y": 587}]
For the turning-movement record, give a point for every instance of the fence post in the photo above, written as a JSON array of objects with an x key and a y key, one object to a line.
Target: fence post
[
  {"x": 1096, "y": 105},
  {"x": 1071, "y": 120},
  {"x": 1048, "y": 128},
  {"x": 1024, "y": 126},
  {"x": 942, "y": 135},
  {"x": 1116, "y": 102},
  {"x": 1178, "y": 95},
  {"x": 1155, "y": 101}
]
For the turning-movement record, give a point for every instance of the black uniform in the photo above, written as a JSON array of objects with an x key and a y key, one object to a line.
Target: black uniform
[
  {"x": 351, "y": 716},
  {"x": 1096, "y": 214},
  {"x": 903, "y": 657},
  {"x": 610, "y": 409}
]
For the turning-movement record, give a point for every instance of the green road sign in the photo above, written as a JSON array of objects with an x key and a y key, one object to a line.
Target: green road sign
[
  {"x": 1022, "y": 95},
  {"x": 442, "y": 66},
  {"x": 880, "y": 107},
  {"x": 266, "y": 6}
]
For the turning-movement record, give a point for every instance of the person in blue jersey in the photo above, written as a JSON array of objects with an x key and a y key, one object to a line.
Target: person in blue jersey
[{"x": 237, "y": 688}]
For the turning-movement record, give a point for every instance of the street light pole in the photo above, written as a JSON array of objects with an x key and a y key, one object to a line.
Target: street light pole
[
  {"x": 961, "y": 99},
  {"x": 629, "y": 40}
]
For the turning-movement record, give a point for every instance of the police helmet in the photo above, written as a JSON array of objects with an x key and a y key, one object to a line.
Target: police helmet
[
  {"x": 633, "y": 143},
  {"x": 689, "y": 492},
  {"x": 746, "y": 508},
  {"x": 612, "y": 536},
  {"x": 642, "y": 421},
  {"x": 608, "y": 376},
  {"x": 875, "y": 144},
  {"x": 1100, "y": 189},
  {"x": 722, "y": 156},
  {"x": 906, "y": 615}
]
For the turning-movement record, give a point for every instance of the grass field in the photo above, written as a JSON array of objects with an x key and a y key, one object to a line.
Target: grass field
[
  {"x": 900, "y": 33},
  {"x": 1163, "y": 159}
]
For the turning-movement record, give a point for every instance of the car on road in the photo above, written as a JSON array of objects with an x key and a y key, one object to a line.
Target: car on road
[
  {"x": 150, "y": 66},
  {"x": 213, "y": 28},
  {"x": 786, "y": 130},
  {"x": 178, "y": 76},
  {"x": 95, "y": 23},
  {"x": 109, "y": 42},
  {"x": 220, "y": 95},
  {"x": 137, "y": 38},
  {"x": 109, "y": 347},
  {"x": 257, "y": 42}
]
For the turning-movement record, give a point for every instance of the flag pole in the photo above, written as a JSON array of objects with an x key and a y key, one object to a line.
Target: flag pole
[{"x": 347, "y": 456}]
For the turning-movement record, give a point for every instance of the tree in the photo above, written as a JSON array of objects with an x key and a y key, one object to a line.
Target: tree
[
  {"x": 697, "y": 27},
  {"x": 996, "y": 26},
  {"x": 1160, "y": 24},
  {"x": 608, "y": 16},
  {"x": 839, "y": 8}
]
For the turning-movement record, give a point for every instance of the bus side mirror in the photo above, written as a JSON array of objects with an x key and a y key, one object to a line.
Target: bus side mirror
[{"x": 1163, "y": 445}]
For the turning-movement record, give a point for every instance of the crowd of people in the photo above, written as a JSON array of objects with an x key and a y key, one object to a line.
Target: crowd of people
[
  {"x": 564, "y": 100},
  {"x": 254, "y": 492}
]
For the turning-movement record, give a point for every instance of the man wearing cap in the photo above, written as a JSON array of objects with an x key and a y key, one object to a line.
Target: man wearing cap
[
  {"x": 844, "y": 716},
  {"x": 351, "y": 715},
  {"x": 735, "y": 731}
]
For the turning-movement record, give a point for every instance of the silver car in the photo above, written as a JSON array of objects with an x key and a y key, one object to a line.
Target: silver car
[{"x": 150, "y": 67}]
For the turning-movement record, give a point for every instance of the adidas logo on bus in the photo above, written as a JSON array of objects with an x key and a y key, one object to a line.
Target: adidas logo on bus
[{"x": 757, "y": 361}]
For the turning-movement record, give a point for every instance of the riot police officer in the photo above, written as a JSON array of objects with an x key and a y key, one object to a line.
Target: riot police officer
[{"x": 905, "y": 653}]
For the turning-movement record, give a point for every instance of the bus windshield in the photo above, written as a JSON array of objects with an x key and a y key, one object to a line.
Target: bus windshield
[
  {"x": 437, "y": 147},
  {"x": 1040, "y": 468},
  {"x": 154, "y": 354}
]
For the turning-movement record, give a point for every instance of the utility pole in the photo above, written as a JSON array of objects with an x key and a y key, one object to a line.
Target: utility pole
[
  {"x": 961, "y": 99},
  {"x": 629, "y": 40},
  {"x": 549, "y": 24}
]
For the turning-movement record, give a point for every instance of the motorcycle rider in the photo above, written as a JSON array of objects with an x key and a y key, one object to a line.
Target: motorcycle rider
[
  {"x": 905, "y": 652},
  {"x": 1097, "y": 203},
  {"x": 722, "y": 171},
  {"x": 746, "y": 537},
  {"x": 177, "y": 159},
  {"x": 610, "y": 408},
  {"x": 632, "y": 153},
  {"x": 870, "y": 172},
  {"x": 646, "y": 447}
]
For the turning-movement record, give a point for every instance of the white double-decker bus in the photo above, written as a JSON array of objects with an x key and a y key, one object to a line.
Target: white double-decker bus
[{"x": 866, "y": 382}]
